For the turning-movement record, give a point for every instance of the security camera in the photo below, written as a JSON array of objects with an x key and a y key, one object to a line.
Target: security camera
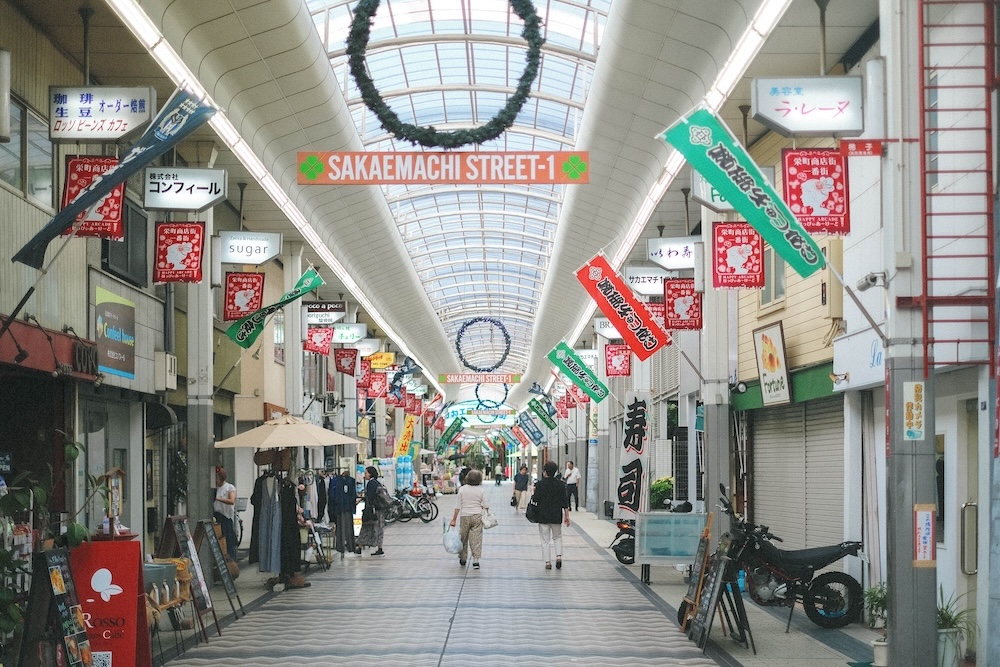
[{"x": 867, "y": 282}]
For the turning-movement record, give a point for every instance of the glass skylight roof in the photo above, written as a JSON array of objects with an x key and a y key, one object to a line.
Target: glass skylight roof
[{"x": 479, "y": 250}]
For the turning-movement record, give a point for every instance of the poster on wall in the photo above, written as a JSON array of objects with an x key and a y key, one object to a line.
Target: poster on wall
[
  {"x": 115, "y": 334},
  {"x": 682, "y": 303},
  {"x": 103, "y": 219},
  {"x": 738, "y": 256},
  {"x": 769, "y": 345},
  {"x": 244, "y": 294},
  {"x": 816, "y": 188},
  {"x": 633, "y": 458},
  {"x": 179, "y": 249}
]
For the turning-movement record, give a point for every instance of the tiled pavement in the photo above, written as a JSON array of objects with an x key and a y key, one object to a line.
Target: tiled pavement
[{"x": 417, "y": 606}]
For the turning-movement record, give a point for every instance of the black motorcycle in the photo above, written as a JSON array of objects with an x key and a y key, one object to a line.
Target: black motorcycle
[
  {"x": 624, "y": 543},
  {"x": 775, "y": 577}
]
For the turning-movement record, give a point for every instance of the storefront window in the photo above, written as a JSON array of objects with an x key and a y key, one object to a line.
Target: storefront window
[
  {"x": 26, "y": 160},
  {"x": 279, "y": 336},
  {"x": 774, "y": 278},
  {"x": 10, "y": 152},
  {"x": 127, "y": 259}
]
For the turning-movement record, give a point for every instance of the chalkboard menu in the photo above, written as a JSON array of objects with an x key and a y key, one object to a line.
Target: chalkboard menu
[
  {"x": 53, "y": 605},
  {"x": 176, "y": 540},
  {"x": 701, "y": 624},
  {"x": 697, "y": 570},
  {"x": 207, "y": 528}
]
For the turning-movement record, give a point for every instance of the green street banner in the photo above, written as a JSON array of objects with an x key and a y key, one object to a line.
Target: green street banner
[
  {"x": 449, "y": 434},
  {"x": 572, "y": 366},
  {"x": 714, "y": 153},
  {"x": 244, "y": 331},
  {"x": 541, "y": 412}
]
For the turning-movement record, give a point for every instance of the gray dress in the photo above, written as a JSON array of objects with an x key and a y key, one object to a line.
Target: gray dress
[{"x": 270, "y": 527}]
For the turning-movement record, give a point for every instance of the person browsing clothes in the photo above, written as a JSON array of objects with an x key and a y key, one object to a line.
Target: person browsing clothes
[
  {"x": 224, "y": 509},
  {"x": 572, "y": 479}
]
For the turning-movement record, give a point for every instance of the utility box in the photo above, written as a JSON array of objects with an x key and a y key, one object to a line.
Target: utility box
[{"x": 165, "y": 371}]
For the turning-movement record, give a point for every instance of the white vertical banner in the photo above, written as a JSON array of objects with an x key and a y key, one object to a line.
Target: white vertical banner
[{"x": 633, "y": 459}]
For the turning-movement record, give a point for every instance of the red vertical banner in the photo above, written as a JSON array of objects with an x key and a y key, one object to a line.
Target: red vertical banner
[
  {"x": 346, "y": 360},
  {"x": 113, "y": 600},
  {"x": 737, "y": 256},
  {"x": 617, "y": 360},
  {"x": 428, "y": 418},
  {"x": 179, "y": 249},
  {"x": 103, "y": 219},
  {"x": 683, "y": 304},
  {"x": 364, "y": 380},
  {"x": 244, "y": 294},
  {"x": 413, "y": 404},
  {"x": 318, "y": 340},
  {"x": 659, "y": 313},
  {"x": 816, "y": 188},
  {"x": 377, "y": 386},
  {"x": 629, "y": 315},
  {"x": 562, "y": 408}
]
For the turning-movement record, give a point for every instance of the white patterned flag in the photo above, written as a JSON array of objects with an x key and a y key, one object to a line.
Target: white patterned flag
[
  {"x": 244, "y": 294},
  {"x": 179, "y": 250}
]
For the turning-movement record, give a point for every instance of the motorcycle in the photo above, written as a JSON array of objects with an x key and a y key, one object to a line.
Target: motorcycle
[
  {"x": 775, "y": 577},
  {"x": 624, "y": 543}
]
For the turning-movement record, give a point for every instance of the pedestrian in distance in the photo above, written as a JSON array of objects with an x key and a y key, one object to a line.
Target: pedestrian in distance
[
  {"x": 572, "y": 479},
  {"x": 521, "y": 480},
  {"x": 471, "y": 506},
  {"x": 498, "y": 474},
  {"x": 372, "y": 520},
  {"x": 224, "y": 510},
  {"x": 553, "y": 511},
  {"x": 343, "y": 504}
]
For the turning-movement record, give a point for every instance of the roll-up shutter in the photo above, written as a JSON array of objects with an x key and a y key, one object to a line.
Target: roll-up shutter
[
  {"x": 825, "y": 472},
  {"x": 779, "y": 472}
]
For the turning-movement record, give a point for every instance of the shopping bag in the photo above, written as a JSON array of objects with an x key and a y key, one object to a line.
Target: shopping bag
[
  {"x": 531, "y": 512},
  {"x": 452, "y": 540},
  {"x": 489, "y": 520}
]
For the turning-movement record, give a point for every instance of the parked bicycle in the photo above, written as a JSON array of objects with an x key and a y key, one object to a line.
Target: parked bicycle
[{"x": 407, "y": 505}]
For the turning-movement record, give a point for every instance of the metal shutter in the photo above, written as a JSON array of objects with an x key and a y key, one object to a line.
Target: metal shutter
[
  {"x": 779, "y": 466},
  {"x": 825, "y": 472}
]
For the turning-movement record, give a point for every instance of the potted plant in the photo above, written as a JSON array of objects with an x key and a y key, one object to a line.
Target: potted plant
[
  {"x": 876, "y": 603},
  {"x": 954, "y": 626}
]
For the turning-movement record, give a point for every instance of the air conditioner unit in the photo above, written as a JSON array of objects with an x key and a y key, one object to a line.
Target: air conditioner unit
[
  {"x": 164, "y": 371},
  {"x": 332, "y": 402}
]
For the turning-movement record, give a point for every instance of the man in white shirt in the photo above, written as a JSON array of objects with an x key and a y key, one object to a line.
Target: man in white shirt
[{"x": 572, "y": 479}]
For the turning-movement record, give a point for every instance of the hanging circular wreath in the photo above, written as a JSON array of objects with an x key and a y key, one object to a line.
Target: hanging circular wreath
[
  {"x": 506, "y": 340},
  {"x": 357, "y": 45},
  {"x": 483, "y": 401},
  {"x": 487, "y": 404}
]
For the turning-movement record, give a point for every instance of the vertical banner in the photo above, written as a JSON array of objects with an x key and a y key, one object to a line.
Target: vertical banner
[
  {"x": 634, "y": 456},
  {"x": 521, "y": 436},
  {"x": 318, "y": 340},
  {"x": 403, "y": 444},
  {"x": 573, "y": 367},
  {"x": 682, "y": 304},
  {"x": 364, "y": 380},
  {"x": 244, "y": 331},
  {"x": 345, "y": 359},
  {"x": 244, "y": 294},
  {"x": 179, "y": 249},
  {"x": 617, "y": 361},
  {"x": 629, "y": 315},
  {"x": 816, "y": 188},
  {"x": 115, "y": 334},
  {"x": 377, "y": 385},
  {"x": 529, "y": 426},
  {"x": 737, "y": 256},
  {"x": 913, "y": 411},
  {"x": 769, "y": 345},
  {"x": 103, "y": 219}
]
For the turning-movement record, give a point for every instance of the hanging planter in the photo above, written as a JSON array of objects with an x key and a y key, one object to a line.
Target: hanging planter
[{"x": 357, "y": 46}]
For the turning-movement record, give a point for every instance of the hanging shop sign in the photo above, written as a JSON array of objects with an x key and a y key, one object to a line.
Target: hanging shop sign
[
  {"x": 479, "y": 378},
  {"x": 438, "y": 168},
  {"x": 629, "y": 315},
  {"x": 672, "y": 253},
  {"x": 682, "y": 304},
  {"x": 244, "y": 331},
  {"x": 174, "y": 189},
  {"x": 367, "y": 347},
  {"x": 346, "y": 360},
  {"x": 617, "y": 361},
  {"x": 646, "y": 280},
  {"x": 179, "y": 250},
  {"x": 377, "y": 385},
  {"x": 703, "y": 193},
  {"x": 809, "y": 105},
  {"x": 364, "y": 380},
  {"x": 104, "y": 218},
  {"x": 325, "y": 312},
  {"x": 382, "y": 360},
  {"x": 541, "y": 412},
  {"x": 605, "y": 329},
  {"x": 249, "y": 247},
  {"x": 349, "y": 333},
  {"x": 711, "y": 149},
  {"x": 97, "y": 113},
  {"x": 815, "y": 182},
  {"x": 633, "y": 458},
  {"x": 115, "y": 334},
  {"x": 588, "y": 357},
  {"x": 179, "y": 117},
  {"x": 529, "y": 426},
  {"x": 563, "y": 357},
  {"x": 244, "y": 294},
  {"x": 769, "y": 345},
  {"x": 737, "y": 256},
  {"x": 318, "y": 341},
  {"x": 862, "y": 147},
  {"x": 914, "y": 405}
]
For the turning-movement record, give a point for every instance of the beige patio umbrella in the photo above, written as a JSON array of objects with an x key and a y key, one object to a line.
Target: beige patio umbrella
[{"x": 287, "y": 431}]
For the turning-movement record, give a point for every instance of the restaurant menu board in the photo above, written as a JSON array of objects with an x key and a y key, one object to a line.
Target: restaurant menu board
[
  {"x": 54, "y": 603},
  {"x": 207, "y": 528},
  {"x": 697, "y": 570},
  {"x": 177, "y": 540},
  {"x": 701, "y": 624}
]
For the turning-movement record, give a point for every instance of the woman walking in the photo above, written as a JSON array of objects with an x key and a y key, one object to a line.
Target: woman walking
[
  {"x": 553, "y": 510},
  {"x": 471, "y": 505},
  {"x": 521, "y": 480},
  {"x": 372, "y": 520}
]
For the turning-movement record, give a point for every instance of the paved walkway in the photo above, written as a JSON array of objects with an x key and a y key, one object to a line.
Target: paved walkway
[{"x": 417, "y": 606}]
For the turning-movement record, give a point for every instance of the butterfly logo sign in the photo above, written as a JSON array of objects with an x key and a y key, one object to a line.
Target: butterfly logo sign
[{"x": 102, "y": 585}]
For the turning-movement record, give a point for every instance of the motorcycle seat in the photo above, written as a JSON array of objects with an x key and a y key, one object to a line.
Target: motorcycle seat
[{"x": 817, "y": 557}]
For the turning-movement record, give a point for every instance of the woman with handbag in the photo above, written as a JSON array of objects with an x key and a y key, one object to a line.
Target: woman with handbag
[
  {"x": 471, "y": 507},
  {"x": 552, "y": 509},
  {"x": 372, "y": 520}
]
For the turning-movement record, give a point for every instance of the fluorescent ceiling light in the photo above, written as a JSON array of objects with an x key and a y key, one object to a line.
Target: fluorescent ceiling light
[{"x": 137, "y": 21}]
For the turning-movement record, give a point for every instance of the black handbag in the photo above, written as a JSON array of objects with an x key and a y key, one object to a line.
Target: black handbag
[
  {"x": 513, "y": 501},
  {"x": 531, "y": 513}
]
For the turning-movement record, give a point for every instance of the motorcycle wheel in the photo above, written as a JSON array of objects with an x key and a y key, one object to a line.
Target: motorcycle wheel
[
  {"x": 833, "y": 600},
  {"x": 625, "y": 555}
]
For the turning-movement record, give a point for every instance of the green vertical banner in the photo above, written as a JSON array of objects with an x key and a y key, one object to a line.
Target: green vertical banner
[
  {"x": 541, "y": 413},
  {"x": 572, "y": 366},
  {"x": 244, "y": 331},
  {"x": 712, "y": 150},
  {"x": 449, "y": 434}
]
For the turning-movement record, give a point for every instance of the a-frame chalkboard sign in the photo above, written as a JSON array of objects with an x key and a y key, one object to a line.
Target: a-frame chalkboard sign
[
  {"x": 697, "y": 580},
  {"x": 206, "y": 531},
  {"x": 176, "y": 540},
  {"x": 54, "y": 630},
  {"x": 711, "y": 589}
]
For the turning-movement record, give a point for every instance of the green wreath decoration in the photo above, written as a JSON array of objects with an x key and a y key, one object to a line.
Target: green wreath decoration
[{"x": 357, "y": 45}]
